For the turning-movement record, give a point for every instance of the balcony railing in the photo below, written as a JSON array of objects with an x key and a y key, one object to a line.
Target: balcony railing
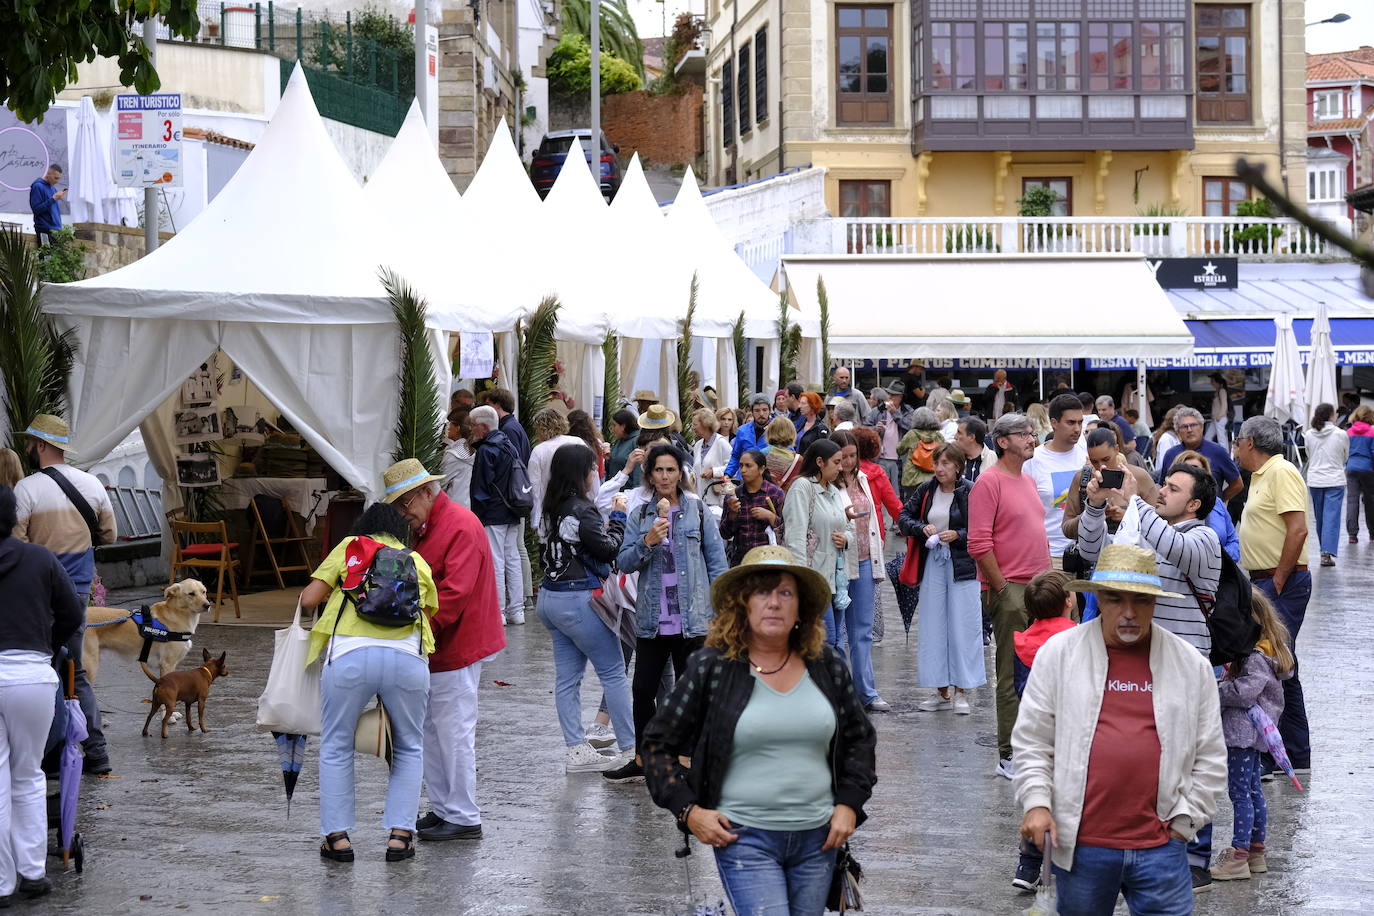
[{"x": 1249, "y": 239}]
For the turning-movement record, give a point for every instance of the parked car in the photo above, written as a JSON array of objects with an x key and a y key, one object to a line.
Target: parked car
[{"x": 553, "y": 149}]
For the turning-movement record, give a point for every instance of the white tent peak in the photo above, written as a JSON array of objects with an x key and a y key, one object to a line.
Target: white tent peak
[
  {"x": 635, "y": 196},
  {"x": 411, "y": 168},
  {"x": 575, "y": 193},
  {"x": 501, "y": 185}
]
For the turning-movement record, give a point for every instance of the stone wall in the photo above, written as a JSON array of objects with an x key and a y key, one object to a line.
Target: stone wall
[
  {"x": 475, "y": 90},
  {"x": 663, "y": 129},
  {"x": 111, "y": 247}
]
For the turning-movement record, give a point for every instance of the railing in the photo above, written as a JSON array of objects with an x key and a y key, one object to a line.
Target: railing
[{"x": 1250, "y": 239}]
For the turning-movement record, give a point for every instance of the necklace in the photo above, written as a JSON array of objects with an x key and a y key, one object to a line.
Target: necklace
[{"x": 759, "y": 668}]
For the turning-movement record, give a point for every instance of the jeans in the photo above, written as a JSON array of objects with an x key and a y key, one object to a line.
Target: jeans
[
  {"x": 652, "y": 657},
  {"x": 1247, "y": 797},
  {"x": 578, "y": 636},
  {"x": 1359, "y": 489},
  {"x": 949, "y": 630},
  {"x": 1155, "y": 882},
  {"x": 1292, "y": 608},
  {"x": 505, "y": 554},
  {"x": 1326, "y": 505},
  {"x": 347, "y": 684},
  {"x": 94, "y": 744},
  {"x": 858, "y": 622},
  {"x": 836, "y": 633},
  {"x": 1008, "y": 611},
  {"x": 776, "y": 872},
  {"x": 26, "y": 712}
]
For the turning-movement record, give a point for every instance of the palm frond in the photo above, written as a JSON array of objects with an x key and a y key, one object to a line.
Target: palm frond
[
  {"x": 610, "y": 392},
  {"x": 418, "y": 422},
  {"x": 617, "y": 28},
  {"x": 537, "y": 356},
  {"x": 741, "y": 359},
  {"x": 685, "y": 402},
  {"x": 789, "y": 344},
  {"x": 824, "y": 302}
]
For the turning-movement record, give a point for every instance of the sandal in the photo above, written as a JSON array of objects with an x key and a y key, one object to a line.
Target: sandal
[
  {"x": 407, "y": 851},
  {"x": 328, "y": 850}
]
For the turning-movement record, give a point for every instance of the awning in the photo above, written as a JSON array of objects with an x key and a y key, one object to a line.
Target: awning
[{"x": 994, "y": 306}]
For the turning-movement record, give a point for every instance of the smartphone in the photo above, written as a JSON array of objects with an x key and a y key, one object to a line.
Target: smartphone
[{"x": 1112, "y": 479}]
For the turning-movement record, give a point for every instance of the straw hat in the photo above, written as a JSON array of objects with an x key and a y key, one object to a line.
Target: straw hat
[
  {"x": 836, "y": 401},
  {"x": 373, "y": 734},
  {"x": 957, "y": 396},
  {"x": 404, "y": 476},
  {"x": 52, "y": 430},
  {"x": 815, "y": 591},
  {"x": 644, "y": 394},
  {"x": 657, "y": 417},
  {"x": 1124, "y": 568}
]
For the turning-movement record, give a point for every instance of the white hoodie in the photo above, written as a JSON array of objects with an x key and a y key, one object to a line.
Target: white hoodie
[{"x": 1327, "y": 450}]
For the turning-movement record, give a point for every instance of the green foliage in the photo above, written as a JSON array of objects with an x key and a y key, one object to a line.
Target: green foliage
[
  {"x": 1161, "y": 211},
  {"x": 1260, "y": 236},
  {"x": 418, "y": 421},
  {"x": 376, "y": 24},
  {"x": 610, "y": 389},
  {"x": 618, "y": 33},
  {"x": 966, "y": 239},
  {"x": 1039, "y": 201},
  {"x": 824, "y": 302},
  {"x": 685, "y": 36},
  {"x": 42, "y": 41},
  {"x": 789, "y": 344},
  {"x": 569, "y": 68},
  {"x": 63, "y": 260},
  {"x": 685, "y": 402},
  {"x": 537, "y": 356},
  {"x": 741, "y": 359},
  {"x": 36, "y": 358}
]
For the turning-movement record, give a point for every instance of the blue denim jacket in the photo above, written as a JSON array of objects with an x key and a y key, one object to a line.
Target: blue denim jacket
[{"x": 700, "y": 558}]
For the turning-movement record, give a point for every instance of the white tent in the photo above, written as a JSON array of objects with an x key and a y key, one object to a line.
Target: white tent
[{"x": 295, "y": 305}]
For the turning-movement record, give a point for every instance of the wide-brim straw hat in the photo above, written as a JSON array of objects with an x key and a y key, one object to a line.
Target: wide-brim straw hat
[
  {"x": 836, "y": 401},
  {"x": 644, "y": 394},
  {"x": 957, "y": 396},
  {"x": 815, "y": 591},
  {"x": 656, "y": 416},
  {"x": 52, "y": 430},
  {"x": 1124, "y": 568},
  {"x": 373, "y": 734},
  {"x": 404, "y": 476}
]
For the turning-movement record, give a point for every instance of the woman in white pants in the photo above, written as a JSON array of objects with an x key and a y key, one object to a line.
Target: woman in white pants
[{"x": 40, "y": 612}]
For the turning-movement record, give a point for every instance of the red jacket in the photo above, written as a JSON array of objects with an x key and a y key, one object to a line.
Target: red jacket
[
  {"x": 468, "y": 626},
  {"x": 881, "y": 488}
]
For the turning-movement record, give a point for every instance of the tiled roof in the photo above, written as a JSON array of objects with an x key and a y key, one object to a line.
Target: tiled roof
[
  {"x": 209, "y": 136},
  {"x": 1345, "y": 65},
  {"x": 1344, "y": 124}
]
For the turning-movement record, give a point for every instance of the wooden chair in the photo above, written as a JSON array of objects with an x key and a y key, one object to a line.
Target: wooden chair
[
  {"x": 206, "y": 545},
  {"x": 289, "y": 536}
]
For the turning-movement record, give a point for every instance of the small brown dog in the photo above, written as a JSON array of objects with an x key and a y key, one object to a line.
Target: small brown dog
[{"x": 183, "y": 687}]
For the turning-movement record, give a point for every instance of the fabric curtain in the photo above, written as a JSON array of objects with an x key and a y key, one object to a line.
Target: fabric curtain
[
  {"x": 507, "y": 350},
  {"x": 667, "y": 375},
  {"x": 727, "y": 373},
  {"x": 770, "y": 379},
  {"x": 630, "y": 349},
  {"x": 596, "y": 406},
  {"x": 162, "y": 451}
]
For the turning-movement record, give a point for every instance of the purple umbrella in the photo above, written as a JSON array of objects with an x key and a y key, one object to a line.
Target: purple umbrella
[
  {"x": 1270, "y": 732},
  {"x": 69, "y": 775}
]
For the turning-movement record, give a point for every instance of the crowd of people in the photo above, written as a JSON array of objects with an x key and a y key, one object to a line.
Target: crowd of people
[{"x": 725, "y": 587}]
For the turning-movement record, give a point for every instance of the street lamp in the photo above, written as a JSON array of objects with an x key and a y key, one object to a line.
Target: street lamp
[{"x": 1339, "y": 17}]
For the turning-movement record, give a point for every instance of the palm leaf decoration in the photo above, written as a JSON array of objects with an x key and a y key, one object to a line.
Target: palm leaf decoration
[
  {"x": 789, "y": 344},
  {"x": 417, "y": 426},
  {"x": 685, "y": 402},
  {"x": 610, "y": 392},
  {"x": 36, "y": 359},
  {"x": 824, "y": 302},
  {"x": 537, "y": 356},
  {"x": 741, "y": 359}
]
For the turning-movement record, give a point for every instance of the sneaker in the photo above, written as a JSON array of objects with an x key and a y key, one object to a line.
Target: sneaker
[
  {"x": 1005, "y": 768},
  {"x": 1257, "y": 864},
  {"x": 961, "y": 705},
  {"x": 1229, "y": 866},
  {"x": 1027, "y": 875},
  {"x": 34, "y": 887},
  {"x": 879, "y": 705},
  {"x": 935, "y": 703},
  {"x": 1328, "y": 560},
  {"x": 600, "y": 735},
  {"x": 515, "y": 617},
  {"x": 630, "y": 772},
  {"x": 583, "y": 758},
  {"x": 1202, "y": 879}
]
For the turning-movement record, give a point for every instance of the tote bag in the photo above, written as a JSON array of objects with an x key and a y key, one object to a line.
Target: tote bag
[{"x": 291, "y": 701}]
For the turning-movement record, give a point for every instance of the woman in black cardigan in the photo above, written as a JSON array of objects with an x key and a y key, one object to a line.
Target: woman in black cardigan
[
  {"x": 766, "y": 711},
  {"x": 949, "y": 629}
]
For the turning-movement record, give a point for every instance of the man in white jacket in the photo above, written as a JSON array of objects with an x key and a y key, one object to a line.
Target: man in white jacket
[{"x": 1119, "y": 750}]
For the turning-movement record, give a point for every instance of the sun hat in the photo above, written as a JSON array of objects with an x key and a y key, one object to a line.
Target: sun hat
[
  {"x": 52, "y": 430},
  {"x": 373, "y": 734},
  {"x": 957, "y": 396},
  {"x": 644, "y": 394},
  {"x": 1124, "y": 568},
  {"x": 657, "y": 417},
  {"x": 404, "y": 476},
  {"x": 815, "y": 591},
  {"x": 836, "y": 401}
]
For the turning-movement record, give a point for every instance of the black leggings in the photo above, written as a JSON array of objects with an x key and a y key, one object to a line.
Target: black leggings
[{"x": 652, "y": 657}]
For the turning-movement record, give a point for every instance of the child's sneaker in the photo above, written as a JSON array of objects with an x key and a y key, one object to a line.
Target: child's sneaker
[
  {"x": 1027, "y": 874},
  {"x": 1231, "y": 865},
  {"x": 1257, "y": 864}
]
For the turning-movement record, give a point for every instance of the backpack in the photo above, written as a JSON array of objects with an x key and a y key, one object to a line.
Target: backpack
[
  {"x": 519, "y": 492},
  {"x": 1228, "y": 614},
  {"x": 382, "y": 583},
  {"x": 923, "y": 455}
]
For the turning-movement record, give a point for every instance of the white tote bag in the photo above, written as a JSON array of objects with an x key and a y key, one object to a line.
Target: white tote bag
[{"x": 291, "y": 701}]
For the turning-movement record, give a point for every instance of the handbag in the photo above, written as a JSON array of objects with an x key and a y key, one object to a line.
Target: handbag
[
  {"x": 290, "y": 702},
  {"x": 911, "y": 565},
  {"x": 844, "y": 883}
]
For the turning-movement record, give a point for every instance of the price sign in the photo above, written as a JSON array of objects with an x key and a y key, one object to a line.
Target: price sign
[{"x": 148, "y": 140}]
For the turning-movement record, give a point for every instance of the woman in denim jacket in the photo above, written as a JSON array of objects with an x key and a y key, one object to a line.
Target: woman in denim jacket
[{"x": 675, "y": 546}]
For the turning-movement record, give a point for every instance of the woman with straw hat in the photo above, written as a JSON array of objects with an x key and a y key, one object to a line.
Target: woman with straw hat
[{"x": 783, "y": 755}]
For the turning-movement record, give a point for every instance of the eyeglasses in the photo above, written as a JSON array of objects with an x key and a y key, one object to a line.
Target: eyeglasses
[{"x": 1183, "y": 426}]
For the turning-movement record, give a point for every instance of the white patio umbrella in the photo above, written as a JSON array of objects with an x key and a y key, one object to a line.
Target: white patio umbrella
[
  {"x": 90, "y": 178},
  {"x": 1285, "y": 399},
  {"x": 1321, "y": 363},
  {"x": 121, "y": 204}
]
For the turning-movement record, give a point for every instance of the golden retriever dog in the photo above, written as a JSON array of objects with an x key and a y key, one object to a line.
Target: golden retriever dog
[{"x": 183, "y": 603}]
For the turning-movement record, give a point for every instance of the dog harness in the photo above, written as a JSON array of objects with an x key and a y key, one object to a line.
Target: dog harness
[{"x": 149, "y": 627}]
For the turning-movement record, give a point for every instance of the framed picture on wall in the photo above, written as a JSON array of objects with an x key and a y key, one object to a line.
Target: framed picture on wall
[{"x": 198, "y": 470}]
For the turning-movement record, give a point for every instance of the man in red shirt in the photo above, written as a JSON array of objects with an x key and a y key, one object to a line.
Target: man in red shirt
[{"x": 467, "y": 630}]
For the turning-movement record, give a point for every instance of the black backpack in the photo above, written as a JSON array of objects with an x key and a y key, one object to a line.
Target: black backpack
[
  {"x": 1228, "y": 614},
  {"x": 519, "y": 492},
  {"x": 389, "y": 595}
]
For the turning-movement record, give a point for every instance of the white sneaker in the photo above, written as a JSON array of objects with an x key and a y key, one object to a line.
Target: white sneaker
[
  {"x": 880, "y": 705},
  {"x": 515, "y": 617},
  {"x": 600, "y": 736},
  {"x": 583, "y": 758},
  {"x": 961, "y": 704},
  {"x": 935, "y": 703},
  {"x": 1005, "y": 768}
]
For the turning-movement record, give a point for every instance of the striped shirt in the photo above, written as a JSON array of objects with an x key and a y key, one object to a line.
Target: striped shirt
[
  {"x": 1190, "y": 549},
  {"x": 47, "y": 517}
]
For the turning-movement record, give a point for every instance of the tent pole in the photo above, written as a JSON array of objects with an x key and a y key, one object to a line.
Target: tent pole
[{"x": 1040, "y": 365}]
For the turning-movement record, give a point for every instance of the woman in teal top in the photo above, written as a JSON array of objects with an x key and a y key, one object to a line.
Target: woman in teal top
[{"x": 782, "y": 751}]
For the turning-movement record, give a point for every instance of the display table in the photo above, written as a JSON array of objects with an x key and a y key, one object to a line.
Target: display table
[{"x": 306, "y": 496}]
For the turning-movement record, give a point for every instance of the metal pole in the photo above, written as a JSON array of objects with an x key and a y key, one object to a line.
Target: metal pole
[
  {"x": 150, "y": 220},
  {"x": 1040, "y": 364},
  {"x": 596, "y": 91},
  {"x": 421, "y": 60},
  {"x": 271, "y": 26}
]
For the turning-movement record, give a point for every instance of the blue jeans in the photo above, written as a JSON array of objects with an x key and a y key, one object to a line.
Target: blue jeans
[
  {"x": 348, "y": 683},
  {"x": 776, "y": 872},
  {"x": 858, "y": 624},
  {"x": 1326, "y": 505},
  {"x": 1292, "y": 607},
  {"x": 578, "y": 636},
  {"x": 1155, "y": 882},
  {"x": 835, "y": 631}
]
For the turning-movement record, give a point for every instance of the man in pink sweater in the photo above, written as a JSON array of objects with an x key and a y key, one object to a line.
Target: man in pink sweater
[{"x": 1006, "y": 537}]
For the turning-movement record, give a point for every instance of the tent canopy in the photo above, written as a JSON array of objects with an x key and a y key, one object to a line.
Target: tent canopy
[{"x": 991, "y": 305}]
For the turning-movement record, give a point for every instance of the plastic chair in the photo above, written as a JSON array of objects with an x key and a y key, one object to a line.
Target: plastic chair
[{"x": 206, "y": 545}]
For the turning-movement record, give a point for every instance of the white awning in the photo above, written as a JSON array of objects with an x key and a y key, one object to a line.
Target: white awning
[{"x": 995, "y": 305}]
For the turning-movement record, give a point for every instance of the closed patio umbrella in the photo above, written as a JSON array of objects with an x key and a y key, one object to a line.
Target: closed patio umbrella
[
  {"x": 1321, "y": 363},
  {"x": 1286, "y": 399}
]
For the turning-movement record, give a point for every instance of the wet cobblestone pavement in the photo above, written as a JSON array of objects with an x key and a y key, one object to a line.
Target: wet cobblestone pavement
[{"x": 197, "y": 823}]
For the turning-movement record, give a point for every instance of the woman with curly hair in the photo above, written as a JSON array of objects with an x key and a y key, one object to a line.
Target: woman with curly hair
[
  {"x": 783, "y": 755},
  {"x": 549, "y": 433}
]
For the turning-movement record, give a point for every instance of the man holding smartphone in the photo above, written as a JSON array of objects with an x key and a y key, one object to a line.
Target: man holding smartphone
[{"x": 43, "y": 201}]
